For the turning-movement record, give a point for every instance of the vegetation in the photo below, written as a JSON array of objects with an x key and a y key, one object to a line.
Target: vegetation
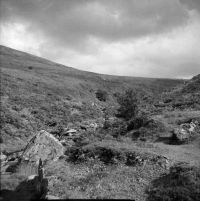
[
  {"x": 128, "y": 105},
  {"x": 181, "y": 184},
  {"x": 102, "y": 95}
]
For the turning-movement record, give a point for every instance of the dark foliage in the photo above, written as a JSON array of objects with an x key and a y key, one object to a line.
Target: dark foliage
[
  {"x": 137, "y": 122},
  {"x": 181, "y": 184},
  {"x": 116, "y": 128},
  {"x": 128, "y": 105},
  {"x": 1, "y": 139},
  {"x": 101, "y": 95}
]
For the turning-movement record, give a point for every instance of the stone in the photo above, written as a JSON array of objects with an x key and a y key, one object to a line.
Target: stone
[
  {"x": 43, "y": 146},
  {"x": 192, "y": 127},
  {"x": 51, "y": 197},
  {"x": 185, "y": 131},
  {"x": 31, "y": 177},
  {"x": 181, "y": 134},
  {"x": 94, "y": 126},
  {"x": 3, "y": 157},
  {"x": 71, "y": 131}
]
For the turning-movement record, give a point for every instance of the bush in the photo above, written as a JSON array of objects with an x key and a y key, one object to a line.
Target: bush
[
  {"x": 137, "y": 122},
  {"x": 101, "y": 95},
  {"x": 117, "y": 128},
  {"x": 128, "y": 105},
  {"x": 181, "y": 184},
  {"x": 1, "y": 139}
]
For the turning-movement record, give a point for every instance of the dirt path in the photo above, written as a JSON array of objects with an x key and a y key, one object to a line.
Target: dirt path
[{"x": 189, "y": 153}]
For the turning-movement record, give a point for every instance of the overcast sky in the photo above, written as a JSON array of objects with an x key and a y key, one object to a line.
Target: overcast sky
[{"x": 148, "y": 38}]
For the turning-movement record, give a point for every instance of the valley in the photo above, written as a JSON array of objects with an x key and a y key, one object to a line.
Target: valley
[{"x": 89, "y": 150}]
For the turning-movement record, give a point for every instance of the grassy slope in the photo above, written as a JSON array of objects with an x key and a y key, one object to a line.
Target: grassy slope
[
  {"x": 35, "y": 91},
  {"x": 185, "y": 96}
]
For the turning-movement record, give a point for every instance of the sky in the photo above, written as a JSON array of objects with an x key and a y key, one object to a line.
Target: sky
[{"x": 145, "y": 38}]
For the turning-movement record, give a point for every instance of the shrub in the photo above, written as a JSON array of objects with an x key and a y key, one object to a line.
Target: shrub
[
  {"x": 181, "y": 184},
  {"x": 1, "y": 139},
  {"x": 118, "y": 128},
  {"x": 128, "y": 105},
  {"x": 137, "y": 122},
  {"x": 101, "y": 95}
]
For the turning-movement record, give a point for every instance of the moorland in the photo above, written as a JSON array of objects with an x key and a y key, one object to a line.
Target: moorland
[{"x": 122, "y": 137}]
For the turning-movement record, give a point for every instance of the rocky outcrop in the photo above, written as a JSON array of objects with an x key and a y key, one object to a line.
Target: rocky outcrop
[
  {"x": 43, "y": 146},
  {"x": 2, "y": 157},
  {"x": 185, "y": 132}
]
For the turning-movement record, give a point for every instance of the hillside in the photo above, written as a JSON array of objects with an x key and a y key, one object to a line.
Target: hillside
[
  {"x": 36, "y": 92},
  {"x": 184, "y": 96}
]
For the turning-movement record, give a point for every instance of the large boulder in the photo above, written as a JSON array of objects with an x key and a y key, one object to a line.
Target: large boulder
[
  {"x": 43, "y": 146},
  {"x": 185, "y": 132}
]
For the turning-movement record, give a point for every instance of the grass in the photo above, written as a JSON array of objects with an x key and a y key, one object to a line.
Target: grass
[
  {"x": 46, "y": 92},
  {"x": 94, "y": 179}
]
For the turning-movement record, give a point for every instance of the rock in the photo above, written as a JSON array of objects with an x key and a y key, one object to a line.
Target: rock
[
  {"x": 51, "y": 197},
  {"x": 94, "y": 126},
  {"x": 3, "y": 157},
  {"x": 14, "y": 156},
  {"x": 69, "y": 132},
  {"x": 192, "y": 127},
  {"x": 63, "y": 142},
  {"x": 43, "y": 146},
  {"x": 31, "y": 177},
  {"x": 163, "y": 162},
  {"x": 181, "y": 134},
  {"x": 72, "y": 131},
  {"x": 185, "y": 131}
]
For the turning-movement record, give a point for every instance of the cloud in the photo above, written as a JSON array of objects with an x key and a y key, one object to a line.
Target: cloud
[
  {"x": 73, "y": 22},
  {"x": 153, "y": 38},
  {"x": 192, "y": 4}
]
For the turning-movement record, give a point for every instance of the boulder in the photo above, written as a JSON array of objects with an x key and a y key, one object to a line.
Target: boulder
[
  {"x": 181, "y": 135},
  {"x": 3, "y": 157},
  {"x": 185, "y": 131},
  {"x": 43, "y": 146}
]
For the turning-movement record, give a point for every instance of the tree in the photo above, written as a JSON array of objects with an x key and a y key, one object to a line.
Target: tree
[{"x": 128, "y": 105}]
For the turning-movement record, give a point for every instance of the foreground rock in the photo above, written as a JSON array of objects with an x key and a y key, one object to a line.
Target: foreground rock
[
  {"x": 33, "y": 187},
  {"x": 43, "y": 146}
]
